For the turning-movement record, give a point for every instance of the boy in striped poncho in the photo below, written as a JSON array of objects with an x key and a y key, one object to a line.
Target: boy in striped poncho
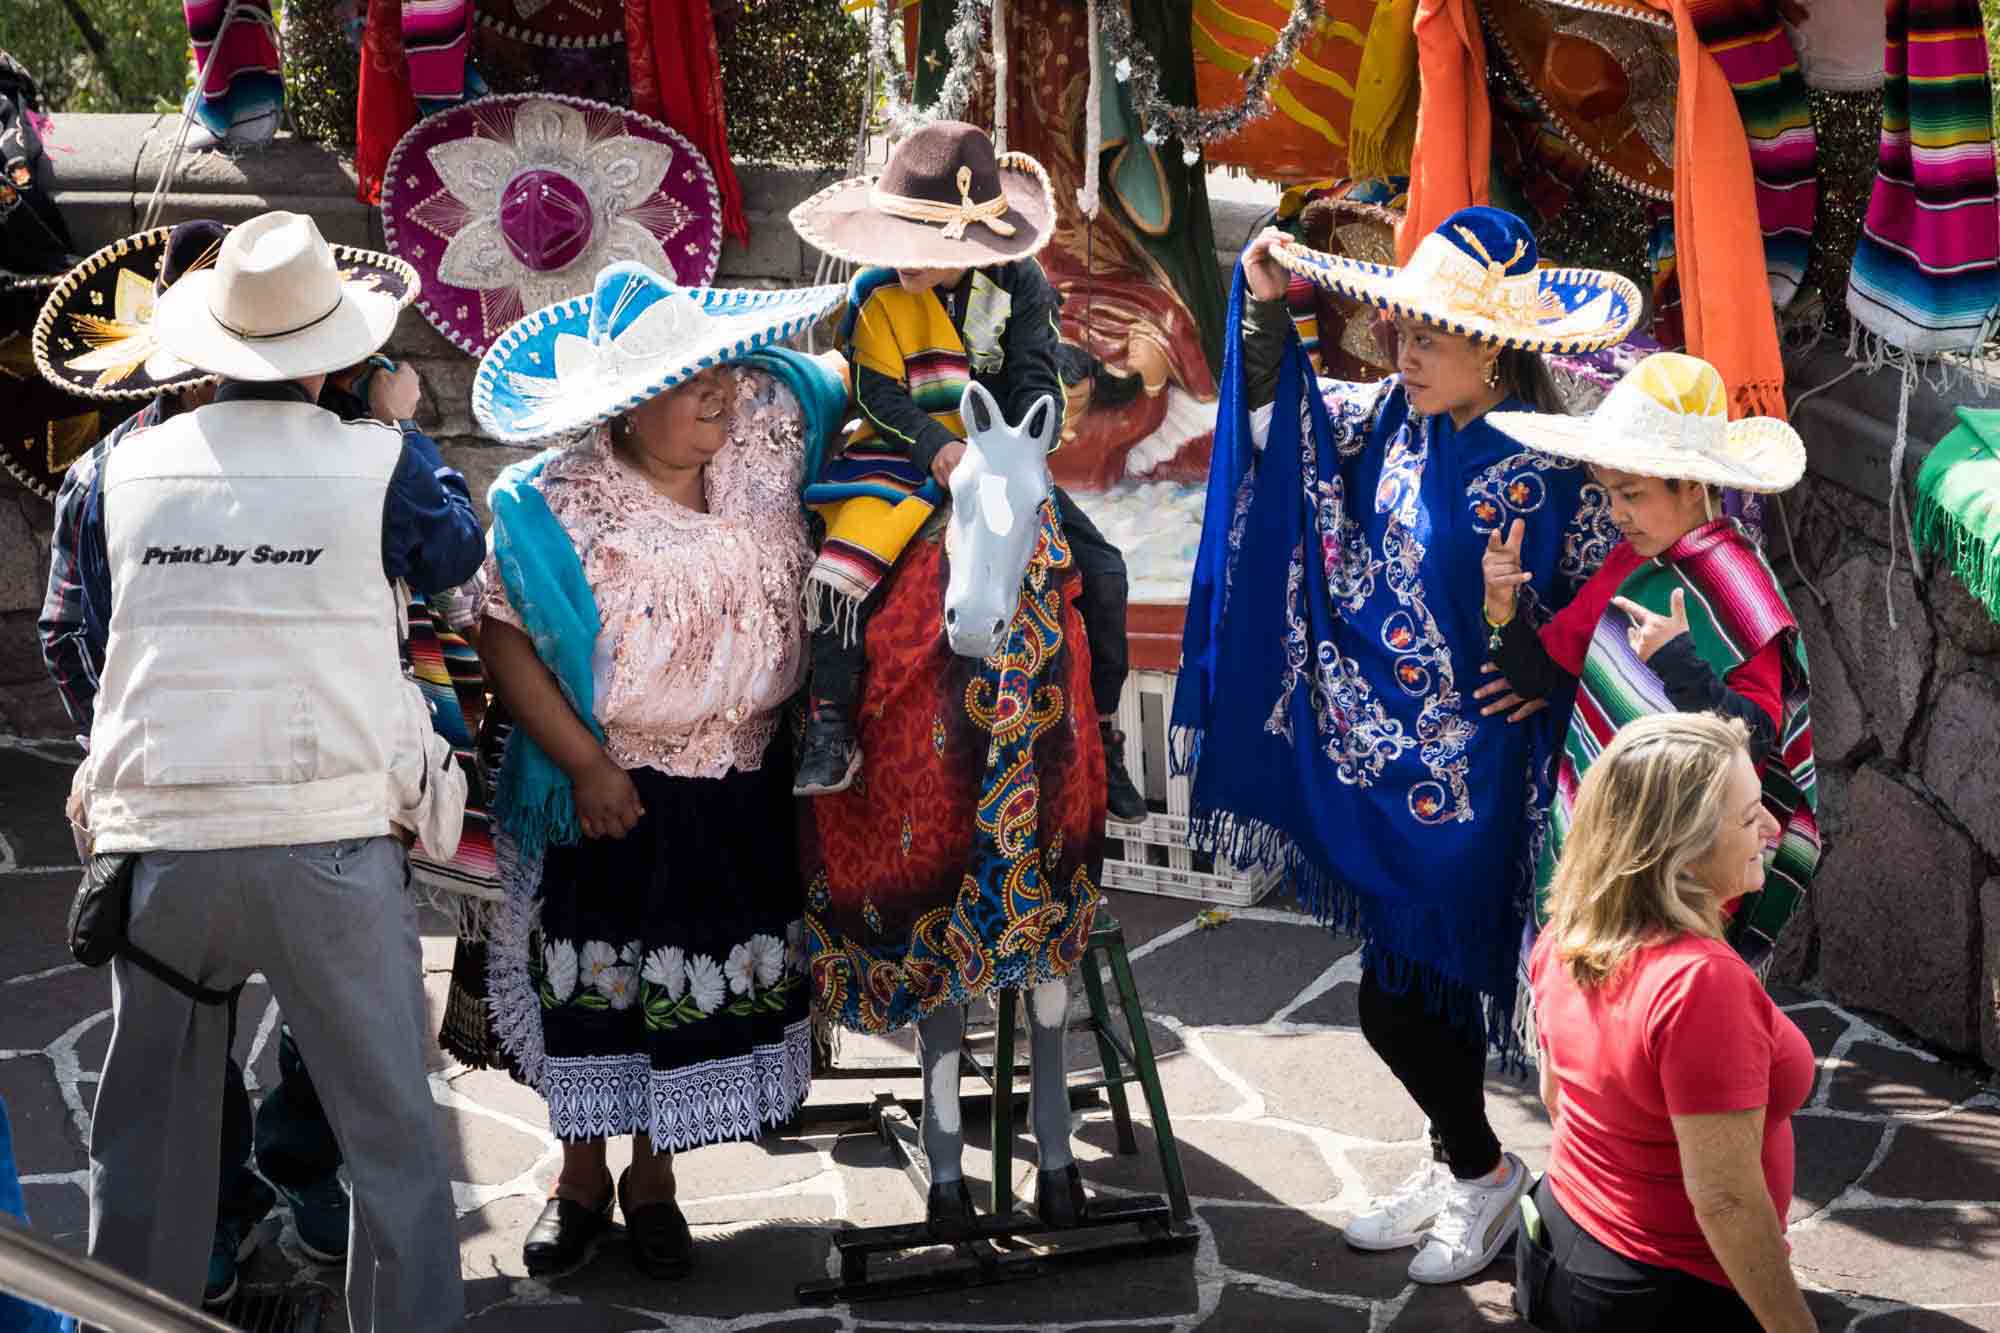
[
  {"x": 1683, "y": 615},
  {"x": 917, "y": 329}
]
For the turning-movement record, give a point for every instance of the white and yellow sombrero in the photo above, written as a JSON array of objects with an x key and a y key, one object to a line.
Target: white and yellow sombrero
[{"x": 1669, "y": 417}]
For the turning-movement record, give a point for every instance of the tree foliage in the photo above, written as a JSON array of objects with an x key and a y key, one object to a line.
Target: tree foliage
[{"x": 100, "y": 55}]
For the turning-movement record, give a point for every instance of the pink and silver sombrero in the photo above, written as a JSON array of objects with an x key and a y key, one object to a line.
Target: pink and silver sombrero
[{"x": 509, "y": 204}]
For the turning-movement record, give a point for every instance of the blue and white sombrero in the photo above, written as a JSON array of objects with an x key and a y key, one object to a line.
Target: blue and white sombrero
[
  {"x": 633, "y": 337},
  {"x": 1476, "y": 276}
]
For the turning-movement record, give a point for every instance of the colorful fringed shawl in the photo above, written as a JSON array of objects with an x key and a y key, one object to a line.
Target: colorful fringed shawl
[
  {"x": 1749, "y": 42},
  {"x": 1958, "y": 504},
  {"x": 237, "y": 71},
  {"x": 1334, "y": 638},
  {"x": 969, "y": 860},
  {"x": 1927, "y": 271},
  {"x": 1734, "y": 609},
  {"x": 873, "y": 498}
]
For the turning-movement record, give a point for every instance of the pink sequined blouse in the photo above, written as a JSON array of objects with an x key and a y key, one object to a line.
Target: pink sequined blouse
[{"x": 703, "y": 637}]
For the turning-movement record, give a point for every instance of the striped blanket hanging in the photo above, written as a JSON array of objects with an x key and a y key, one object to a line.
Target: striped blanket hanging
[
  {"x": 1927, "y": 271},
  {"x": 1749, "y": 42},
  {"x": 238, "y": 79}
]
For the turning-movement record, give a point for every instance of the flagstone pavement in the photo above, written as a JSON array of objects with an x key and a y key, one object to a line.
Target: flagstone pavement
[{"x": 1285, "y": 1122}]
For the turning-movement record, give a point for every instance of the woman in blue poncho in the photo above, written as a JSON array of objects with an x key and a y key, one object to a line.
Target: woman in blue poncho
[{"x": 1339, "y": 595}]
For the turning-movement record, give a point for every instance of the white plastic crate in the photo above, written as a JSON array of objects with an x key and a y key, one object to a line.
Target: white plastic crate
[{"x": 1153, "y": 856}]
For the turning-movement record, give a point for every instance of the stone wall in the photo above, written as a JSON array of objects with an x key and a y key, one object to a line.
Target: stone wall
[{"x": 1905, "y": 917}]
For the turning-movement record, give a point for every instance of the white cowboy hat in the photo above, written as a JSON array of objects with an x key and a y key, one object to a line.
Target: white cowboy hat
[
  {"x": 279, "y": 305},
  {"x": 1477, "y": 276},
  {"x": 1669, "y": 417},
  {"x": 631, "y": 338}
]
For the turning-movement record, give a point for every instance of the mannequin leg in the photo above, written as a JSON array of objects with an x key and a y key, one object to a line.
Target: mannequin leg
[
  {"x": 939, "y": 1038},
  {"x": 1048, "y": 1097},
  {"x": 1059, "y": 1197}
]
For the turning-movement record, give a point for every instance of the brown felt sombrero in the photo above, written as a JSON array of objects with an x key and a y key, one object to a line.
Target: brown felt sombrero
[
  {"x": 943, "y": 200},
  {"x": 1604, "y": 72}
]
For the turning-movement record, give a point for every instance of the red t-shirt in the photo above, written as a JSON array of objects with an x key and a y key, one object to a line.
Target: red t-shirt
[
  {"x": 1760, "y": 678},
  {"x": 1686, "y": 1030}
]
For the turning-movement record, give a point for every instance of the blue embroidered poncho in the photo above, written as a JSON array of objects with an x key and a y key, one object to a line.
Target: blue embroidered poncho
[{"x": 1334, "y": 640}]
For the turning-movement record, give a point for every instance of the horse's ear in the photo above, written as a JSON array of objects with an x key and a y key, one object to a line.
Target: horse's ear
[
  {"x": 1041, "y": 423},
  {"x": 977, "y": 409}
]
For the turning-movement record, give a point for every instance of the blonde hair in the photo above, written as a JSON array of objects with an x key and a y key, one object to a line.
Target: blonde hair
[{"x": 1648, "y": 809}]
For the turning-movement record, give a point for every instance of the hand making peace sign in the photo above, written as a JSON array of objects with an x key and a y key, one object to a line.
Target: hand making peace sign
[
  {"x": 1502, "y": 566},
  {"x": 1649, "y": 632}
]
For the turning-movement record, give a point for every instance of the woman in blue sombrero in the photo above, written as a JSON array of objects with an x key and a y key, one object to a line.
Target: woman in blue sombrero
[
  {"x": 1338, "y": 595},
  {"x": 644, "y": 628}
]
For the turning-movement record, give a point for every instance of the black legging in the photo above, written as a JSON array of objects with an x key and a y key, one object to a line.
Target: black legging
[
  {"x": 1442, "y": 1066},
  {"x": 1577, "y": 1284}
]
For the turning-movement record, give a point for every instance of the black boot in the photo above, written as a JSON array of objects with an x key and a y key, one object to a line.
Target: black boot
[
  {"x": 1121, "y": 798},
  {"x": 1059, "y": 1199},
  {"x": 948, "y": 1212},
  {"x": 829, "y": 757}
]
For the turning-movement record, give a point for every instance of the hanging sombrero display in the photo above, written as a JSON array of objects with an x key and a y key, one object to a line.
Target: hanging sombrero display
[
  {"x": 1605, "y": 75},
  {"x": 1355, "y": 219},
  {"x": 43, "y": 428},
  {"x": 558, "y": 23},
  {"x": 510, "y": 204}
]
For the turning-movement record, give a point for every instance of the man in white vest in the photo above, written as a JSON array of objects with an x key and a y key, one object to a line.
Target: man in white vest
[{"x": 258, "y": 748}]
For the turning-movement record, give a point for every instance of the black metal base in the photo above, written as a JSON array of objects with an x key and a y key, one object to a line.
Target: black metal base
[{"x": 1014, "y": 1248}]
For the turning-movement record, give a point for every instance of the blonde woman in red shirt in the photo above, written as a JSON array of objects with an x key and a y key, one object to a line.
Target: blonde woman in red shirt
[{"x": 1670, "y": 1075}]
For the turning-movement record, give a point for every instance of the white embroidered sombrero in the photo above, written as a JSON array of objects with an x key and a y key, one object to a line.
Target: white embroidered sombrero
[
  {"x": 1476, "y": 276},
  {"x": 1669, "y": 417},
  {"x": 631, "y": 338}
]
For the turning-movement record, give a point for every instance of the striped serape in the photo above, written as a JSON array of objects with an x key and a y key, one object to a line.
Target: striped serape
[
  {"x": 237, "y": 73},
  {"x": 1748, "y": 40},
  {"x": 1927, "y": 272},
  {"x": 1734, "y": 608}
]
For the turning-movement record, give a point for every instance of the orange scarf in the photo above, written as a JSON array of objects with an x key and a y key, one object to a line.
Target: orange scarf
[{"x": 1718, "y": 247}]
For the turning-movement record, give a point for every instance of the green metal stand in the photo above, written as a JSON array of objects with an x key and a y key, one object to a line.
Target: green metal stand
[{"x": 1005, "y": 1245}]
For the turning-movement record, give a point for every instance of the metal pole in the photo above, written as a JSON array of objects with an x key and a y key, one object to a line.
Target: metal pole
[{"x": 42, "y": 1273}]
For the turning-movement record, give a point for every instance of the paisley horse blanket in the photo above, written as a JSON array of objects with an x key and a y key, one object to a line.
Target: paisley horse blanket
[{"x": 967, "y": 855}]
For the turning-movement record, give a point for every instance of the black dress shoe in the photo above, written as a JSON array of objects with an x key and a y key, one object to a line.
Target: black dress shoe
[
  {"x": 563, "y": 1236},
  {"x": 948, "y": 1212},
  {"x": 1059, "y": 1200},
  {"x": 662, "y": 1245}
]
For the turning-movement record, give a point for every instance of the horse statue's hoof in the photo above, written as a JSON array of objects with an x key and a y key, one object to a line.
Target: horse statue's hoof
[
  {"x": 1059, "y": 1199},
  {"x": 948, "y": 1212}
]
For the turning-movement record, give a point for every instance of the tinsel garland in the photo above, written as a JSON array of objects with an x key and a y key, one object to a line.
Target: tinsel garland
[
  {"x": 966, "y": 40},
  {"x": 1133, "y": 65}
]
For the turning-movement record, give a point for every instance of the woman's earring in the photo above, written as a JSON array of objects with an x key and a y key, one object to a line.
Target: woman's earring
[{"x": 1492, "y": 373}]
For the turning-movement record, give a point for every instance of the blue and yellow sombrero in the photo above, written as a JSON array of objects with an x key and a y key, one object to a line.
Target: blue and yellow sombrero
[
  {"x": 1477, "y": 276},
  {"x": 631, "y": 338}
]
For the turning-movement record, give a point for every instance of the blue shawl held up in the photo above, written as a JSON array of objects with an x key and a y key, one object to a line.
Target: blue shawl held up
[
  {"x": 1338, "y": 593},
  {"x": 535, "y": 804}
]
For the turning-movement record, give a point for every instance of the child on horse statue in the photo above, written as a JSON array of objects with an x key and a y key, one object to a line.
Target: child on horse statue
[{"x": 958, "y": 296}]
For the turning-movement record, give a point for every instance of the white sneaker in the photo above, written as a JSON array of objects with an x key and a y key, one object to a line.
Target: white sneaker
[
  {"x": 1400, "y": 1218},
  {"x": 1472, "y": 1228}
]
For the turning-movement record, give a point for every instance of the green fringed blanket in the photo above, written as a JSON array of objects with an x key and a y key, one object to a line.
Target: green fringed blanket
[{"x": 1958, "y": 504}]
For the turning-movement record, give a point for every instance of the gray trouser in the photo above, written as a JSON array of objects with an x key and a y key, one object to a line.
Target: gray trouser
[{"x": 334, "y": 931}]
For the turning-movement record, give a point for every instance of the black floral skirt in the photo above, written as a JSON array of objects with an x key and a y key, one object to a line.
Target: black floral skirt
[{"x": 655, "y": 983}]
